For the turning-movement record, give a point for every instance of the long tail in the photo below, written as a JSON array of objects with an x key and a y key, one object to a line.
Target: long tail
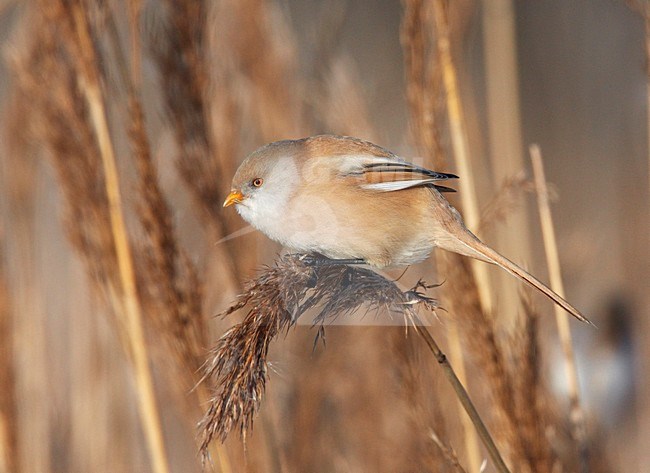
[{"x": 477, "y": 249}]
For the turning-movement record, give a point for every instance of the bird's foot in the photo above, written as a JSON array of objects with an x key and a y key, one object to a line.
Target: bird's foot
[{"x": 417, "y": 295}]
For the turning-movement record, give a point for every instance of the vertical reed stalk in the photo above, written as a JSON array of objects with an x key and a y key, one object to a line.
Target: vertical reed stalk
[
  {"x": 460, "y": 146},
  {"x": 148, "y": 407},
  {"x": 470, "y": 205},
  {"x": 504, "y": 128},
  {"x": 469, "y": 434},
  {"x": 563, "y": 327},
  {"x": 463, "y": 397}
]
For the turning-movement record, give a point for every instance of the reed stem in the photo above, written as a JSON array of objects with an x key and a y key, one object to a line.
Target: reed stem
[
  {"x": 564, "y": 329},
  {"x": 148, "y": 408},
  {"x": 463, "y": 397},
  {"x": 459, "y": 142}
]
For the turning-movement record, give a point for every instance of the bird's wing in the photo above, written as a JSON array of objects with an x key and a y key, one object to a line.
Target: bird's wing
[{"x": 387, "y": 174}]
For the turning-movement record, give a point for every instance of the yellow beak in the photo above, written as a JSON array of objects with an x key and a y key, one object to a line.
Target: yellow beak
[{"x": 234, "y": 197}]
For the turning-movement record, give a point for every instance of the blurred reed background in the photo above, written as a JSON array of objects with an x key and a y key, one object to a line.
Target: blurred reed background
[{"x": 122, "y": 124}]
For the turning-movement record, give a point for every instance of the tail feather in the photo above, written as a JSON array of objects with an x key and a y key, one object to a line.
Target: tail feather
[{"x": 479, "y": 250}]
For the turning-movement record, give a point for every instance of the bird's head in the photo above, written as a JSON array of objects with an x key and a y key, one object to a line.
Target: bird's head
[{"x": 264, "y": 182}]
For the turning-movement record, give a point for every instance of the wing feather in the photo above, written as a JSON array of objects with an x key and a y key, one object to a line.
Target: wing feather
[
  {"x": 390, "y": 173},
  {"x": 394, "y": 167},
  {"x": 390, "y": 186}
]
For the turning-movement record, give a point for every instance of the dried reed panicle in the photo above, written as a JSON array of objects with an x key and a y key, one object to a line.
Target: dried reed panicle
[
  {"x": 507, "y": 198},
  {"x": 275, "y": 300},
  {"x": 175, "y": 305},
  {"x": 60, "y": 121},
  {"x": 179, "y": 51},
  {"x": 424, "y": 86},
  {"x": 204, "y": 160},
  {"x": 8, "y": 422},
  {"x": 63, "y": 124},
  {"x": 532, "y": 413},
  {"x": 168, "y": 281}
]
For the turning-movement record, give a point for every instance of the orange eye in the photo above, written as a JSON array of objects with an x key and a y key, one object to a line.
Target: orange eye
[{"x": 257, "y": 182}]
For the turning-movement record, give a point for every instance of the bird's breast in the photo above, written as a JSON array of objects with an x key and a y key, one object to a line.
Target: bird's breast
[{"x": 385, "y": 229}]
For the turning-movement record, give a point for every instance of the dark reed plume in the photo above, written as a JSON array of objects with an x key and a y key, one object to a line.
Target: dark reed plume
[
  {"x": 530, "y": 405},
  {"x": 275, "y": 300},
  {"x": 61, "y": 123},
  {"x": 169, "y": 281},
  {"x": 204, "y": 161},
  {"x": 424, "y": 88}
]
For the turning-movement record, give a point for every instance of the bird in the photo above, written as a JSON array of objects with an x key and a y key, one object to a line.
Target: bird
[{"x": 355, "y": 202}]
